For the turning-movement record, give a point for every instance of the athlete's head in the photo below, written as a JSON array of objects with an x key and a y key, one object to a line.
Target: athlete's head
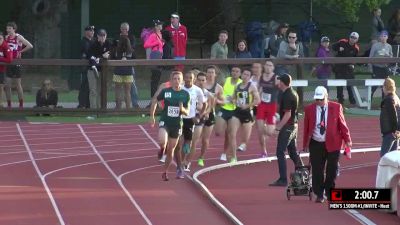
[
  {"x": 235, "y": 72},
  {"x": 201, "y": 79},
  {"x": 269, "y": 67},
  {"x": 246, "y": 74},
  {"x": 256, "y": 68},
  {"x": 211, "y": 72},
  {"x": 188, "y": 79},
  {"x": 11, "y": 27},
  {"x": 176, "y": 78}
]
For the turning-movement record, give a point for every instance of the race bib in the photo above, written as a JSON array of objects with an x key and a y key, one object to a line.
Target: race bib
[
  {"x": 173, "y": 111},
  {"x": 241, "y": 101},
  {"x": 266, "y": 97}
]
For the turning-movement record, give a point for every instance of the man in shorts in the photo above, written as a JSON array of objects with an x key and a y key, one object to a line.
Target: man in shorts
[
  {"x": 227, "y": 108},
  {"x": 18, "y": 45},
  {"x": 176, "y": 103}
]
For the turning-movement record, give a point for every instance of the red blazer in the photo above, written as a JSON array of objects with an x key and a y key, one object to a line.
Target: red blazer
[{"x": 336, "y": 127}]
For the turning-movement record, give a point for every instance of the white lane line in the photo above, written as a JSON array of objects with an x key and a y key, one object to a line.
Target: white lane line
[
  {"x": 115, "y": 176},
  {"x": 42, "y": 178}
]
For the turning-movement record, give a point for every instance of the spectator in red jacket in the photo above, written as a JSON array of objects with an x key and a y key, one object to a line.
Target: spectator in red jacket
[
  {"x": 325, "y": 133},
  {"x": 5, "y": 56},
  {"x": 179, "y": 36}
]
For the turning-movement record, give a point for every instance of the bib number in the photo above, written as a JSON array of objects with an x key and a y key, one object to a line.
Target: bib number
[
  {"x": 266, "y": 97},
  {"x": 173, "y": 111},
  {"x": 241, "y": 102}
]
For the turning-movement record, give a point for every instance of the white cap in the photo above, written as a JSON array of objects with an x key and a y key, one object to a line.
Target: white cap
[
  {"x": 320, "y": 92},
  {"x": 354, "y": 34}
]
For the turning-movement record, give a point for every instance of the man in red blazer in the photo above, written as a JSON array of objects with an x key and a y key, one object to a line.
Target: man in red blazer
[{"x": 325, "y": 133}]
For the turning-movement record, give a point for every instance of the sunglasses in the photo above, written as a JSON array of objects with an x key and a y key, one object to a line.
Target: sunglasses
[{"x": 292, "y": 37}]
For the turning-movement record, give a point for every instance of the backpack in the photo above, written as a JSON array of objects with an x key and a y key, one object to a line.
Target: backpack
[{"x": 144, "y": 35}]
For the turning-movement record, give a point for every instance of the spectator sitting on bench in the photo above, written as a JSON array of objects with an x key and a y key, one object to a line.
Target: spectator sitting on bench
[{"x": 46, "y": 96}]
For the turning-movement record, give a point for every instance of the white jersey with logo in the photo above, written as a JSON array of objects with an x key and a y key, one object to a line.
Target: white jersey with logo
[{"x": 196, "y": 98}]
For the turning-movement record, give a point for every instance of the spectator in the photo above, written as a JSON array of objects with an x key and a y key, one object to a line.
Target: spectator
[
  {"x": 124, "y": 28},
  {"x": 219, "y": 50},
  {"x": 390, "y": 118},
  {"x": 290, "y": 49},
  {"x": 5, "y": 56},
  {"x": 276, "y": 39},
  {"x": 346, "y": 48},
  {"x": 242, "y": 52},
  {"x": 323, "y": 71},
  {"x": 287, "y": 128},
  {"x": 99, "y": 50},
  {"x": 156, "y": 43},
  {"x": 16, "y": 42},
  {"x": 380, "y": 49},
  {"x": 123, "y": 76},
  {"x": 83, "y": 96},
  {"x": 179, "y": 36},
  {"x": 46, "y": 96},
  {"x": 394, "y": 28},
  {"x": 168, "y": 48},
  {"x": 377, "y": 25},
  {"x": 325, "y": 132}
]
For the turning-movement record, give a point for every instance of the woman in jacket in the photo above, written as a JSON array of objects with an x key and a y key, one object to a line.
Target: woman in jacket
[{"x": 389, "y": 117}]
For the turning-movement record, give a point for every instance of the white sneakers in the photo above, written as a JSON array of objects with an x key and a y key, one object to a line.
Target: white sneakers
[
  {"x": 223, "y": 157},
  {"x": 242, "y": 147}
]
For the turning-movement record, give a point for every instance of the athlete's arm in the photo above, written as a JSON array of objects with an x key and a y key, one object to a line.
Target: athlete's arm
[
  {"x": 256, "y": 96},
  {"x": 219, "y": 98},
  {"x": 153, "y": 106},
  {"x": 25, "y": 42}
]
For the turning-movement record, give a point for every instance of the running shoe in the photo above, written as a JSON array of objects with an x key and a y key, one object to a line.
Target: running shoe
[
  {"x": 223, "y": 157},
  {"x": 180, "y": 174},
  {"x": 233, "y": 160},
  {"x": 186, "y": 148},
  {"x": 164, "y": 176},
  {"x": 200, "y": 162},
  {"x": 264, "y": 155},
  {"x": 186, "y": 168},
  {"x": 163, "y": 158},
  {"x": 242, "y": 147}
]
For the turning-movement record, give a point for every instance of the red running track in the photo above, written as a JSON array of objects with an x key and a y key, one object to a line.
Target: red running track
[{"x": 108, "y": 174}]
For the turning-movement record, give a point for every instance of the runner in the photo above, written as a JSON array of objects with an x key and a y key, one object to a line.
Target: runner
[
  {"x": 201, "y": 116},
  {"x": 227, "y": 108},
  {"x": 6, "y": 57},
  {"x": 266, "y": 110},
  {"x": 16, "y": 42},
  {"x": 246, "y": 96},
  {"x": 216, "y": 92},
  {"x": 196, "y": 100},
  {"x": 170, "y": 125},
  {"x": 256, "y": 71}
]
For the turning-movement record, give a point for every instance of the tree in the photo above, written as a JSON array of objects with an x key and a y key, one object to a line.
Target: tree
[{"x": 350, "y": 8}]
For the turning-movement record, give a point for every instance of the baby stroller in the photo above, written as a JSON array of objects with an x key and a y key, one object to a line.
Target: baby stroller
[{"x": 300, "y": 182}]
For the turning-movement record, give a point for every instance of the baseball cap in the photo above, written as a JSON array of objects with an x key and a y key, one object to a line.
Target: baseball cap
[
  {"x": 90, "y": 27},
  {"x": 325, "y": 39},
  {"x": 384, "y": 33},
  {"x": 102, "y": 32},
  {"x": 175, "y": 15},
  {"x": 285, "y": 78},
  {"x": 320, "y": 92},
  {"x": 157, "y": 22},
  {"x": 355, "y": 35}
]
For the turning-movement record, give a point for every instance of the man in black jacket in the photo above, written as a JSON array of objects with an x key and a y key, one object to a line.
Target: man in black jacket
[
  {"x": 346, "y": 48},
  {"x": 100, "y": 49},
  {"x": 83, "y": 96}
]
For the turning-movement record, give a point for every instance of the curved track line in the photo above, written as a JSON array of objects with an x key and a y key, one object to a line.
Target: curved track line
[
  {"x": 115, "y": 176},
  {"x": 226, "y": 211},
  {"x": 42, "y": 178}
]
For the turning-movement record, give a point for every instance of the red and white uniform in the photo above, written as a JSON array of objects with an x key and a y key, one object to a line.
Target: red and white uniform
[
  {"x": 179, "y": 38},
  {"x": 5, "y": 55},
  {"x": 15, "y": 45}
]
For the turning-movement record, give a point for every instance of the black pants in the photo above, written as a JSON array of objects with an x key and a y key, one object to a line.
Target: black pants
[
  {"x": 344, "y": 72},
  {"x": 319, "y": 157},
  {"x": 155, "y": 80},
  {"x": 287, "y": 140},
  {"x": 83, "y": 96},
  {"x": 379, "y": 73}
]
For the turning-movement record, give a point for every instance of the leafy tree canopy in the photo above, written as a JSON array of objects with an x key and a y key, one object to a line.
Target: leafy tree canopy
[{"x": 350, "y": 8}]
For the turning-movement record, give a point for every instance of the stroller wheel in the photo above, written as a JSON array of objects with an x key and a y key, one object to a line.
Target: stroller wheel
[{"x": 288, "y": 194}]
